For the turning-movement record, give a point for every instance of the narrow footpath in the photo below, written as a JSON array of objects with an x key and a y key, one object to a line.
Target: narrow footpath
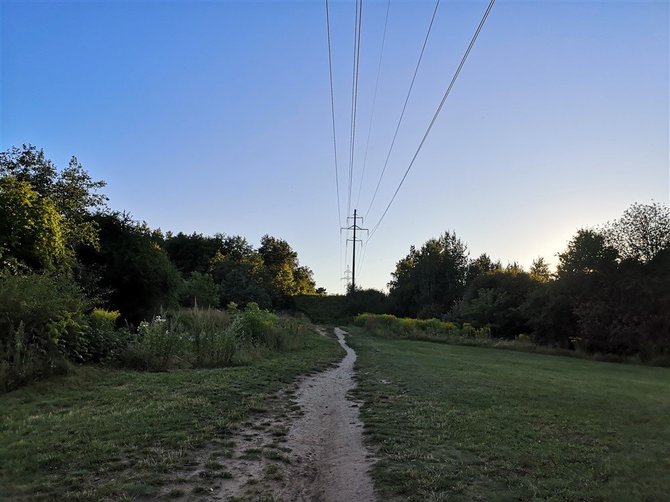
[
  {"x": 327, "y": 441},
  {"x": 306, "y": 446}
]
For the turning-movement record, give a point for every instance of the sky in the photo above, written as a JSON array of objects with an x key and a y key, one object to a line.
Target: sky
[{"x": 214, "y": 116}]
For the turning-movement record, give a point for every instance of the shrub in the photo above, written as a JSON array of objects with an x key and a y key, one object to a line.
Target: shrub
[
  {"x": 157, "y": 345},
  {"x": 420, "y": 329},
  {"x": 105, "y": 342},
  {"x": 199, "y": 290},
  {"x": 41, "y": 322},
  {"x": 212, "y": 338}
]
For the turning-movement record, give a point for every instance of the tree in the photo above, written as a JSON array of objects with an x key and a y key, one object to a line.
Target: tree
[
  {"x": 192, "y": 253},
  {"x": 304, "y": 284},
  {"x": 31, "y": 230},
  {"x": 431, "y": 280},
  {"x": 539, "y": 270},
  {"x": 238, "y": 270},
  {"x": 133, "y": 269},
  {"x": 496, "y": 299},
  {"x": 514, "y": 268},
  {"x": 72, "y": 190},
  {"x": 199, "y": 289},
  {"x": 583, "y": 269},
  {"x": 641, "y": 233},
  {"x": 480, "y": 266},
  {"x": 587, "y": 252},
  {"x": 285, "y": 276}
]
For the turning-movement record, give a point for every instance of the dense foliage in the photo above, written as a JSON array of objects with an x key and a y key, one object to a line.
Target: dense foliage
[
  {"x": 81, "y": 283},
  {"x": 341, "y": 309},
  {"x": 422, "y": 329},
  {"x": 430, "y": 280},
  {"x": 610, "y": 293},
  {"x": 211, "y": 338}
]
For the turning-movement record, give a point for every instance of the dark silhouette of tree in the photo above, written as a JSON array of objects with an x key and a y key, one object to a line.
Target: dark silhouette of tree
[
  {"x": 192, "y": 253},
  {"x": 587, "y": 252},
  {"x": 132, "y": 268},
  {"x": 429, "y": 281},
  {"x": 641, "y": 233}
]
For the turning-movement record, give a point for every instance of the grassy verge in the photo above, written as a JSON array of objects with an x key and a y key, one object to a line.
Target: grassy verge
[
  {"x": 468, "y": 423},
  {"x": 104, "y": 433}
]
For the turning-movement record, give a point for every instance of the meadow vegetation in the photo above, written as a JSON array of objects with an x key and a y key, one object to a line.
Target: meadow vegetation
[
  {"x": 421, "y": 329},
  {"x": 145, "y": 366},
  {"x": 82, "y": 284},
  {"x": 451, "y": 422},
  {"x": 102, "y": 433},
  {"x": 610, "y": 293}
]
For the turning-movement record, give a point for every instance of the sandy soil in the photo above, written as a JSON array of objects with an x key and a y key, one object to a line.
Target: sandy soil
[
  {"x": 326, "y": 441},
  {"x": 307, "y": 446}
]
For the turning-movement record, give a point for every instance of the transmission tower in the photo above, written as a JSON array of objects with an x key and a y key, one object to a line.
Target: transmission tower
[
  {"x": 347, "y": 277},
  {"x": 354, "y": 227}
]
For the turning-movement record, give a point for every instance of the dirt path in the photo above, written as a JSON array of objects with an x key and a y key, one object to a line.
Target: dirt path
[
  {"x": 327, "y": 441},
  {"x": 307, "y": 446}
]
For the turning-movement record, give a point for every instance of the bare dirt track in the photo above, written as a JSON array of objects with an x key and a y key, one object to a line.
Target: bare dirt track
[
  {"x": 327, "y": 439},
  {"x": 308, "y": 446}
]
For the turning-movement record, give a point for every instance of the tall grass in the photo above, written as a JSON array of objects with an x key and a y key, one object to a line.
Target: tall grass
[
  {"x": 46, "y": 324},
  {"x": 212, "y": 338},
  {"x": 435, "y": 330},
  {"x": 424, "y": 329}
]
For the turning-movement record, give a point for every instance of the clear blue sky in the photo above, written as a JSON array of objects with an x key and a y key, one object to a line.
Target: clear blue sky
[{"x": 215, "y": 117}]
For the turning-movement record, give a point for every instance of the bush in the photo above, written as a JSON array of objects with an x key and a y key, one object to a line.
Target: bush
[
  {"x": 366, "y": 300},
  {"x": 199, "y": 290},
  {"x": 212, "y": 338},
  {"x": 92, "y": 338},
  {"x": 323, "y": 309},
  {"x": 105, "y": 342},
  {"x": 41, "y": 323},
  {"x": 157, "y": 345},
  {"x": 421, "y": 329}
]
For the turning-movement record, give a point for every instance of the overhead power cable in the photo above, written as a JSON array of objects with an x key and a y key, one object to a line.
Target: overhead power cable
[
  {"x": 332, "y": 113},
  {"x": 404, "y": 106},
  {"x": 374, "y": 100},
  {"x": 437, "y": 112},
  {"x": 354, "y": 96}
]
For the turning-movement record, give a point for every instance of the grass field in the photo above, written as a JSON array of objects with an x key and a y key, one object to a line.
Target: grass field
[
  {"x": 105, "y": 433},
  {"x": 467, "y": 423}
]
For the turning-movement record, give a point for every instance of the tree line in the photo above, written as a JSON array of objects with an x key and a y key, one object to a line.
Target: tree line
[
  {"x": 56, "y": 222},
  {"x": 609, "y": 294},
  {"x": 77, "y": 279}
]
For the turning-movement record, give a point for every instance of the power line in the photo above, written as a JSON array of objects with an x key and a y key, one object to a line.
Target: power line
[
  {"x": 361, "y": 258},
  {"x": 374, "y": 100},
  {"x": 341, "y": 259},
  {"x": 332, "y": 113},
  {"x": 437, "y": 112},
  {"x": 404, "y": 107},
  {"x": 354, "y": 95}
]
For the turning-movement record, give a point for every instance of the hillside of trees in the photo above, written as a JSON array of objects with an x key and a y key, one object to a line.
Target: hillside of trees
[
  {"x": 82, "y": 283},
  {"x": 610, "y": 293},
  {"x": 69, "y": 265}
]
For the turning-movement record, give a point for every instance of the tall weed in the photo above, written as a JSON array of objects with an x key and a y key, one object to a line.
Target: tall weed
[
  {"x": 212, "y": 338},
  {"x": 40, "y": 315},
  {"x": 423, "y": 329}
]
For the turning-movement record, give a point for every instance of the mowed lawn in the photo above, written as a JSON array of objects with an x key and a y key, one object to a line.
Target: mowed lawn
[
  {"x": 466, "y": 423},
  {"x": 112, "y": 434}
]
